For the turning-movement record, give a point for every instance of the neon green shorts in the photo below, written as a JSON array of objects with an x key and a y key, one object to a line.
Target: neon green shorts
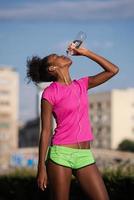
[{"x": 70, "y": 157}]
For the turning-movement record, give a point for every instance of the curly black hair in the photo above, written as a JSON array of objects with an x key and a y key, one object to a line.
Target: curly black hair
[{"x": 37, "y": 70}]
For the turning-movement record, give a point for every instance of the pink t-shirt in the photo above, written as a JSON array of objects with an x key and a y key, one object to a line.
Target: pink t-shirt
[{"x": 70, "y": 110}]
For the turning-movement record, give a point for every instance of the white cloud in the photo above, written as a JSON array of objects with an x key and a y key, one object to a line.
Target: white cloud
[{"x": 71, "y": 10}]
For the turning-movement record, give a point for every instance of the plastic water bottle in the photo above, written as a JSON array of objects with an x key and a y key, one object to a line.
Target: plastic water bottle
[{"x": 79, "y": 39}]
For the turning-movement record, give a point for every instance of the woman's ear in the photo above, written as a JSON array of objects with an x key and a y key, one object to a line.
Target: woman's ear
[{"x": 52, "y": 68}]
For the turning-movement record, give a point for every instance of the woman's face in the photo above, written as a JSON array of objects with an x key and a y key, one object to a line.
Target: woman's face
[{"x": 60, "y": 61}]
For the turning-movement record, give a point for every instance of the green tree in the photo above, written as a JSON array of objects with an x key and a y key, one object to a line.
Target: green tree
[{"x": 126, "y": 145}]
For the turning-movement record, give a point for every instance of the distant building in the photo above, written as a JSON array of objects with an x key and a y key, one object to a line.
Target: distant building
[
  {"x": 29, "y": 134},
  {"x": 40, "y": 89},
  {"x": 9, "y": 96},
  {"x": 112, "y": 117}
]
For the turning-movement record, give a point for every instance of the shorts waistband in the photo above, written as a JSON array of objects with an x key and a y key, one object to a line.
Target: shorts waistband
[{"x": 56, "y": 147}]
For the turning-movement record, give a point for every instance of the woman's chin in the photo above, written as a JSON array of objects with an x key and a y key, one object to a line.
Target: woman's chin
[{"x": 70, "y": 62}]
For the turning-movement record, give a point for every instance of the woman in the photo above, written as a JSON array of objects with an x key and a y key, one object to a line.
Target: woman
[{"x": 68, "y": 150}]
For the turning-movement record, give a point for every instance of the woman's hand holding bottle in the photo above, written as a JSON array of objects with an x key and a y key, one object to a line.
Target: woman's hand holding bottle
[
  {"x": 77, "y": 51},
  {"x": 76, "y": 43}
]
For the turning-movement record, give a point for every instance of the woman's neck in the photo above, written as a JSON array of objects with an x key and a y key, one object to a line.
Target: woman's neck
[{"x": 64, "y": 78}]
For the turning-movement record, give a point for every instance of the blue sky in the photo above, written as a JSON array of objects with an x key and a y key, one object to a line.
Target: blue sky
[{"x": 43, "y": 27}]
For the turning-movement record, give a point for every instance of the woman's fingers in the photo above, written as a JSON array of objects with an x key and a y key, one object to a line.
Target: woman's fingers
[
  {"x": 71, "y": 46},
  {"x": 76, "y": 51},
  {"x": 72, "y": 49},
  {"x": 45, "y": 185},
  {"x": 42, "y": 184}
]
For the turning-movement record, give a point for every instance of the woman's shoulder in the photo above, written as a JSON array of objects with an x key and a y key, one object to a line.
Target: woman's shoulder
[
  {"x": 48, "y": 93},
  {"x": 83, "y": 78},
  {"x": 49, "y": 86},
  {"x": 83, "y": 81}
]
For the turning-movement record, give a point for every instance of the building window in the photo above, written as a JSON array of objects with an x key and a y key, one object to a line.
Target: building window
[
  {"x": 95, "y": 118},
  {"x": 99, "y": 129},
  {"x": 99, "y": 105},
  {"x": 4, "y": 125},
  {"x": 104, "y": 118},
  {"x": 108, "y": 104},
  {"x": 108, "y": 129},
  {"x": 100, "y": 116},
  {"x": 5, "y": 115},
  {"x": 6, "y": 103},
  {"x": 4, "y": 92},
  {"x": 91, "y": 105}
]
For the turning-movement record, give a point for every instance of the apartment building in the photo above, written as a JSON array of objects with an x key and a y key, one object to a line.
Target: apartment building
[
  {"x": 112, "y": 117},
  {"x": 40, "y": 88},
  {"x": 9, "y": 93}
]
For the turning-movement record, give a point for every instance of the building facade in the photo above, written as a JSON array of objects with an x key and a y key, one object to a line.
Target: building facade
[
  {"x": 29, "y": 134},
  {"x": 112, "y": 117},
  {"x": 40, "y": 88},
  {"x": 9, "y": 96}
]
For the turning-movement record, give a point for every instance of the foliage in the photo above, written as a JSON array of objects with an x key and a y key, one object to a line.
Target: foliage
[
  {"x": 120, "y": 182},
  {"x": 126, "y": 145},
  {"x": 21, "y": 184}
]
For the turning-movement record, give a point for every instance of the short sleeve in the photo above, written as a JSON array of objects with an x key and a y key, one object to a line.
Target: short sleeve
[
  {"x": 84, "y": 81},
  {"x": 48, "y": 94}
]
